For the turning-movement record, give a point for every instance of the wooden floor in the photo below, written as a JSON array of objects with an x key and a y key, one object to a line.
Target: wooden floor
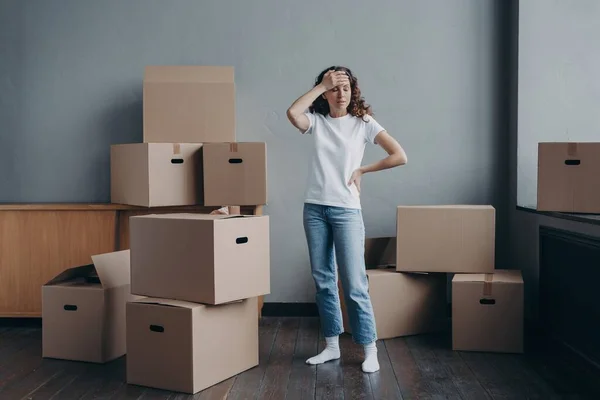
[{"x": 419, "y": 367}]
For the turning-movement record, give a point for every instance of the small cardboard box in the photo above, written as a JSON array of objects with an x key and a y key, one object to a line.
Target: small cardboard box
[
  {"x": 189, "y": 104},
  {"x": 446, "y": 238},
  {"x": 83, "y": 310},
  {"x": 188, "y": 347},
  {"x": 567, "y": 177},
  {"x": 156, "y": 174},
  {"x": 211, "y": 259},
  {"x": 404, "y": 303},
  {"x": 487, "y": 312},
  {"x": 235, "y": 173}
]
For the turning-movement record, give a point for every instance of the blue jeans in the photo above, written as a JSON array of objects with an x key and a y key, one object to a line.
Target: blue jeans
[{"x": 338, "y": 234}]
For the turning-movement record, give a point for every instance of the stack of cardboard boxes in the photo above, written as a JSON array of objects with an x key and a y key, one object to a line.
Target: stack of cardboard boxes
[
  {"x": 182, "y": 301},
  {"x": 408, "y": 279}
]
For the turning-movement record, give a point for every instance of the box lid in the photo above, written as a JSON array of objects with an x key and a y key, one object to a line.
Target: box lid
[
  {"x": 111, "y": 269},
  {"x": 194, "y": 216},
  {"x": 189, "y": 73},
  {"x": 499, "y": 276},
  {"x": 167, "y": 302}
]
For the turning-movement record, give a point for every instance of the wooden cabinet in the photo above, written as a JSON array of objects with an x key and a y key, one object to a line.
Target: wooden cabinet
[{"x": 37, "y": 241}]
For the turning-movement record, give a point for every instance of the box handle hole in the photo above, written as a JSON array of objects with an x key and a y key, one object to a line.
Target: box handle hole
[
  {"x": 235, "y": 161},
  {"x": 487, "y": 301},
  {"x": 176, "y": 160},
  {"x": 572, "y": 162},
  {"x": 70, "y": 307},
  {"x": 241, "y": 240},
  {"x": 157, "y": 328}
]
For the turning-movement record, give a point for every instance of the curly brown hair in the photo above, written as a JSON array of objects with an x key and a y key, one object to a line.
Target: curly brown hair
[{"x": 357, "y": 107}]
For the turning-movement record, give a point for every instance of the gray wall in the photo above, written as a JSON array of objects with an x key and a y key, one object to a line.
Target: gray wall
[
  {"x": 553, "y": 105},
  {"x": 558, "y": 81},
  {"x": 71, "y": 87}
]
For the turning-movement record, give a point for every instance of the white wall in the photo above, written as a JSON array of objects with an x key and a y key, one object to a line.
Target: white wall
[
  {"x": 559, "y": 89},
  {"x": 72, "y": 87},
  {"x": 556, "y": 40}
]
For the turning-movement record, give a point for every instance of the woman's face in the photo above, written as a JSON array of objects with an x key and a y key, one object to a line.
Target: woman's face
[{"x": 338, "y": 97}]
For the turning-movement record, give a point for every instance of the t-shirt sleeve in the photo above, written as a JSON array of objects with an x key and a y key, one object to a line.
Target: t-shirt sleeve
[
  {"x": 372, "y": 129},
  {"x": 311, "y": 121}
]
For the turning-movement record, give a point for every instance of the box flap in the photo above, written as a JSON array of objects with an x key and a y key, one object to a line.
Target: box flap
[
  {"x": 384, "y": 273},
  {"x": 83, "y": 272},
  {"x": 167, "y": 302},
  {"x": 113, "y": 268},
  {"x": 194, "y": 216},
  {"x": 189, "y": 73},
  {"x": 499, "y": 276}
]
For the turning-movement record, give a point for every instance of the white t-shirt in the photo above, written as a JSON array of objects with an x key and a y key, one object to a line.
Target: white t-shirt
[{"x": 339, "y": 145}]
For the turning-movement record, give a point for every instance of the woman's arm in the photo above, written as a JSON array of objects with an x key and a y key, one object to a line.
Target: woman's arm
[
  {"x": 396, "y": 154},
  {"x": 296, "y": 111}
]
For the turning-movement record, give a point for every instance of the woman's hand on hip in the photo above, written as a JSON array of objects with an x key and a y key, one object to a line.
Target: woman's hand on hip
[{"x": 355, "y": 178}]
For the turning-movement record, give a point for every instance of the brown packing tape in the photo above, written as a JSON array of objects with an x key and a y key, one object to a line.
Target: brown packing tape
[
  {"x": 487, "y": 284},
  {"x": 176, "y": 148},
  {"x": 233, "y": 147},
  {"x": 572, "y": 149}
]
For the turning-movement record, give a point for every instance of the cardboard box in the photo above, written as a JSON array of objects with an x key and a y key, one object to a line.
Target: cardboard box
[
  {"x": 404, "y": 303},
  {"x": 487, "y": 312},
  {"x": 83, "y": 310},
  {"x": 235, "y": 173},
  {"x": 446, "y": 238},
  {"x": 188, "y": 347},
  {"x": 189, "y": 104},
  {"x": 567, "y": 177},
  {"x": 211, "y": 259},
  {"x": 156, "y": 174}
]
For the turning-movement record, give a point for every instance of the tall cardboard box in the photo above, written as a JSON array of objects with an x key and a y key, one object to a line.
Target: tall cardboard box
[
  {"x": 235, "y": 173},
  {"x": 188, "y": 347},
  {"x": 446, "y": 238},
  {"x": 404, "y": 303},
  {"x": 156, "y": 174},
  {"x": 211, "y": 259},
  {"x": 487, "y": 312},
  {"x": 83, "y": 310},
  {"x": 567, "y": 177},
  {"x": 189, "y": 104}
]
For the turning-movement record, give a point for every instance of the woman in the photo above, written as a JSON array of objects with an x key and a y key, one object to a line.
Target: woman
[{"x": 341, "y": 125}]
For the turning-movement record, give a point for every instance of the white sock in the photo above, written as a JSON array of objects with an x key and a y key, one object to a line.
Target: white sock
[
  {"x": 371, "y": 363},
  {"x": 331, "y": 352}
]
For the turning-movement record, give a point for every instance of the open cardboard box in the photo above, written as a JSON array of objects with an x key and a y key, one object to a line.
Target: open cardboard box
[{"x": 83, "y": 310}]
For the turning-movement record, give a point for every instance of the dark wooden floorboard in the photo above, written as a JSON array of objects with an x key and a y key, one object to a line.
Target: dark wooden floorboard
[
  {"x": 247, "y": 385},
  {"x": 277, "y": 375},
  {"x": 330, "y": 379},
  {"x": 405, "y": 368},
  {"x": 384, "y": 384},
  {"x": 356, "y": 383},
  {"x": 415, "y": 367},
  {"x": 303, "y": 377},
  {"x": 463, "y": 378}
]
